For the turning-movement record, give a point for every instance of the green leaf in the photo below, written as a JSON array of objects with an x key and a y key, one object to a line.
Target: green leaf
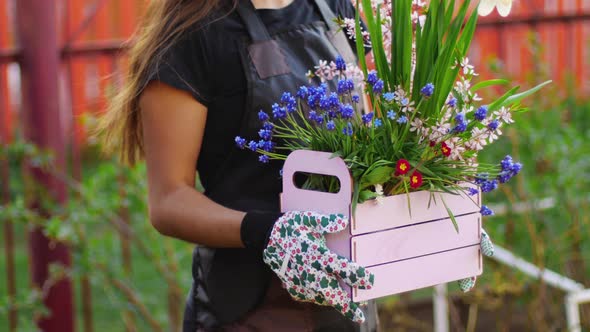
[
  {"x": 489, "y": 83},
  {"x": 451, "y": 215},
  {"x": 498, "y": 103},
  {"x": 377, "y": 176},
  {"x": 518, "y": 97}
]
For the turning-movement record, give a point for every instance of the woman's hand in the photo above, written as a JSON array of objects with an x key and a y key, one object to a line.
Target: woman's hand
[
  {"x": 310, "y": 272},
  {"x": 487, "y": 248}
]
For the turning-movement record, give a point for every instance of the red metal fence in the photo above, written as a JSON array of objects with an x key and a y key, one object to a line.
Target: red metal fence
[{"x": 90, "y": 34}]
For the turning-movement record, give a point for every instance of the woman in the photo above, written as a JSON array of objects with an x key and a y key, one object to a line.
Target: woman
[{"x": 200, "y": 72}]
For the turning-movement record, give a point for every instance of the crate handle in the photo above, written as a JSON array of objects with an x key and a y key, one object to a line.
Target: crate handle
[{"x": 316, "y": 162}]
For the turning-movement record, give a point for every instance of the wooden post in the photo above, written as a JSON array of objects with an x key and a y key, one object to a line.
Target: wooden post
[{"x": 43, "y": 123}]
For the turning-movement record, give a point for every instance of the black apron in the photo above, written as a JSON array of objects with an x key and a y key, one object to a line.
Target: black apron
[{"x": 229, "y": 283}]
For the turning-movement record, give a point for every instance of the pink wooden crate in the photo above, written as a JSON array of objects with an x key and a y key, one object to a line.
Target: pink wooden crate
[{"x": 405, "y": 251}]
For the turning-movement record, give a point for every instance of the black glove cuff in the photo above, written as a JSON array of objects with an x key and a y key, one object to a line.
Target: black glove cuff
[{"x": 256, "y": 228}]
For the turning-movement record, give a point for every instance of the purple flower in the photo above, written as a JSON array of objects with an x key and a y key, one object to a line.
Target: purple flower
[
  {"x": 367, "y": 118},
  {"x": 506, "y": 163},
  {"x": 302, "y": 93},
  {"x": 427, "y": 90},
  {"x": 262, "y": 116},
  {"x": 504, "y": 177},
  {"x": 356, "y": 99},
  {"x": 372, "y": 77},
  {"x": 493, "y": 125},
  {"x": 348, "y": 129},
  {"x": 240, "y": 142},
  {"x": 516, "y": 168},
  {"x": 264, "y": 159},
  {"x": 460, "y": 123},
  {"x": 266, "y": 145},
  {"x": 340, "y": 63},
  {"x": 265, "y": 134},
  {"x": 377, "y": 123},
  {"x": 378, "y": 87},
  {"x": 253, "y": 146},
  {"x": 481, "y": 178},
  {"x": 289, "y": 102},
  {"x": 402, "y": 119},
  {"x": 330, "y": 125},
  {"x": 268, "y": 126},
  {"x": 346, "y": 111},
  {"x": 486, "y": 211},
  {"x": 452, "y": 102},
  {"x": 279, "y": 112},
  {"x": 345, "y": 86},
  {"x": 312, "y": 115},
  {"x": 472, "y": 191},
  {"x": 481, "y": 113},
  {"x": 488, "y": 186},
  {"x": 334, "y": 101}
]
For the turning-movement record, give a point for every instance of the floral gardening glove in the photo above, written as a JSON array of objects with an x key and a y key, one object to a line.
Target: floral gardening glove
[
  {"x": 487, "y": 248},
  {"x": 310, "y": 272}
]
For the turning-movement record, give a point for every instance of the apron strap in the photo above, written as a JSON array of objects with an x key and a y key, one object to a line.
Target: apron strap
[
  {"x": 254, "y": 24},
  {"x": 327, "y": 14}
]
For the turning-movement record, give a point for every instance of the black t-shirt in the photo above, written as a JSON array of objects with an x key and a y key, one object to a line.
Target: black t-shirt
[{"x": 206, "y": 63}]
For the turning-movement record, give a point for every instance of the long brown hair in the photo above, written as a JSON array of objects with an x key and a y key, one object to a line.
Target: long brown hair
[{"x": 165, "y": 23}]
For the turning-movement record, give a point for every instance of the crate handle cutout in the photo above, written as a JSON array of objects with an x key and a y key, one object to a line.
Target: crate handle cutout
[{"x": 321, "y": 163}]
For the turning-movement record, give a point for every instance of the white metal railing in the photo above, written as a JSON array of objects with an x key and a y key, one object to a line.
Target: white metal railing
[{"x": 576, "y": 292}]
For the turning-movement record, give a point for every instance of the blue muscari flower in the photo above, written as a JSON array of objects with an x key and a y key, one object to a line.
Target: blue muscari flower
[
  {"x": 331, "y": 114},
  {"x": 334, "y": 101},
  {"x": 346, "y": 111},
  {"x": 389, "y": 96},
  {"x": 516, "y": 168},
  {"x": 486, "y": 211},
  {"x": 340, "y": 63},
  {"x": 279, "y": 112},
  {"x": 378, "y": 87},
  {"x": 427, "y": 90},
  {"x": 253, "y": 146},
  {"x": 452, "y": 102},
  {"x": 391, "y": 115},
  {"x": 303, "y": 92},
  {"x": 356, "y": 99},
  {"x": 488, "y": 186},
  {"x": 472, "y": 191},
  {"x": 345, "y": 86},
  {"x": 312, "y": 115},
  {"x": 481, "y": 178},
  {"x": 330, "y": 125},
  {"x": 268, "y": 126},
  {"x": 504, "y": 177},
  {"x": 506, "y": 163},
  {"x": 347, "y": 130},
  {"x": 264, "y": 159},
  {"x": 372, "y": 77},
  {"x": 461, "y": 123},
  {"x": 325, "y": 103},
  {"x": 262, "y": 116},
  {"x": 367, "y": 118},
  {"x": 377, "y": 123},
  {"x": 493, "y": 125},
  {"x": 266, "y": 145},
  {"x": 481, "y": 113},
  {"x": 265, "y": 134},
  {"x": 402, "y": 119},
  {"x": 319, "y": 119},
  {"x": 240, "y": 142}
]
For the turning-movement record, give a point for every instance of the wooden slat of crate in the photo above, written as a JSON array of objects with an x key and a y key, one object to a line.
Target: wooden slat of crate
[
  {"x": 422, "y": 272},
  {"x": 417, "y": 240}
]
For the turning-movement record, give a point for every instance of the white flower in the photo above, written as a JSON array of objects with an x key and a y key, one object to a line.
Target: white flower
[
  {"x": 487, "y": 6},
  {"x": 406, "y": 105},
  {"x": 416, "y": 125},
  {"x": 456, "y": 149},
  {"x": 380, "y": 195},
  {"x": 504, "y": 115},
  {"x": 478, "y": 139}
]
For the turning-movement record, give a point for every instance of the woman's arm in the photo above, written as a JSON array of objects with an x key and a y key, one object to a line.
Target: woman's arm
[{"x": 173, "y": 126}]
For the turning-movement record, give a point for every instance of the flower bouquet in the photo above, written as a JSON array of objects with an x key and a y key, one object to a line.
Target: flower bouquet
[{"x": 399, "y": 144}]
